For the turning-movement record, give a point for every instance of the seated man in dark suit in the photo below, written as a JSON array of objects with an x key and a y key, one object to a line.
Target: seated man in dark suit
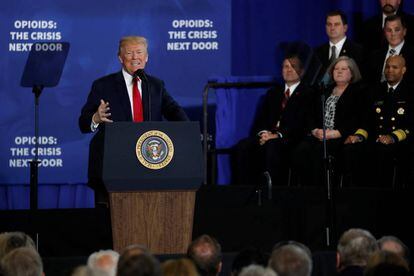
[
  {"x": 124, "y": 96},
  {"x": 371, "y": 33},
  {"x": 338, "y": 44},
  {"x": 395, "y": 32},
  {"x": 388, "y": 128},
  {"x": 279, "y": 127}
]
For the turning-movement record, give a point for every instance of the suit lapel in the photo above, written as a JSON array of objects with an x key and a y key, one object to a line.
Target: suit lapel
[
  {"x": 145, "y": 100},
  {"x": 122, "y": 92},
  {"x": 345, "y": 49}
]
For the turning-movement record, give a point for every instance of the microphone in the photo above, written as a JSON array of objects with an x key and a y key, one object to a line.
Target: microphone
[{"x": 141, "y": 74}]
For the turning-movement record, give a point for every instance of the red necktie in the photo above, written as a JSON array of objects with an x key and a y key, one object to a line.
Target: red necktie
[
  {"x": 285, "y": 98},
  {"x": 136, "y": 102}
]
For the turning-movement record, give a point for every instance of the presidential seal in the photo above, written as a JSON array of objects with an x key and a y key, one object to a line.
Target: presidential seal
[
  {"x": 400, "y": 111},
  {"x": 154, "y": 149}
]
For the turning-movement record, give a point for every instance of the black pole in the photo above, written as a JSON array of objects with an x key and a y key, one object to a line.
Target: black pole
[
  {"x": 34, "y": 163},
  {"x": 330, "y": 229}
]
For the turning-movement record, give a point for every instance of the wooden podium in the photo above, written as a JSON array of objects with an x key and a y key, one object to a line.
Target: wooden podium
[{"x": 152, "y": 203}]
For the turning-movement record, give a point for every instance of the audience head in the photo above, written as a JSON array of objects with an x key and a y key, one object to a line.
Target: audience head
[
  {"x": 394, "y": 30},
  {"x": 138, "y": 265},
  {"x": 291, "y": 258},
  {"x": 344, "y": 70},
  {"x": 133, "y": 53},
  {"x": 182, "y": 267},
  {"x": 104, "y": 262},
  {"x": 257, "y": 270},
  {"x": 134, "y": 249},
  {"x": 22, "y": 261},
  {"x": 355, "y": 246},
  {"x": 386, "y": 263},
  {"x": 245, "y": 258},
  {"x": 82, "y": 270},
  {"x": 13, "y": 240},
  {"x": 395, "y": 245},
  {"x": 390, "y": 6},
  {"x": 205, "y": 252},
  {"x": 292, "y": 69},
  {"x": 394, "y": 69},
  {"x": 336, "y": 25}
]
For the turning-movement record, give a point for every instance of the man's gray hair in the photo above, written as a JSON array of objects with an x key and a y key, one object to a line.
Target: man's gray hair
[
  {"x": 355, "y": 247},
  {"x": 291, "y": 259},
  {"x": 257, "y": 270},
  {"x": 103, "y": 262}
]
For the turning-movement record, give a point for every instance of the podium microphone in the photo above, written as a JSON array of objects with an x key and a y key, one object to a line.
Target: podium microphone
[{"x": 140, "y": 73}]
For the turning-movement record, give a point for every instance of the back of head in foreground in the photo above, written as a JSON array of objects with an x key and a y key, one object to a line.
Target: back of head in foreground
[
  {"x": 205, "y": 252},
  {"x": 22, "y": 261},
  {"x": 139, "y": 265},
  {"x": 291, "y": 259},
  {"x": 354, "y": 248},
  {"x": 386, "y": 263},
  {"x": 104, "y": 262},
  {"x": 13, "y": 240},
  {"x": 182, "y": 267}
]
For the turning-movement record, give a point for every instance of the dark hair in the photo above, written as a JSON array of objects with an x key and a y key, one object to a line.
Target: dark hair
[
  {"x": 385, "y": 269},
  {"x": 405, "y": 250},
  {"x": 343, "y": 16},
  {"x": 208, "y": 262},
  {"x": 395, "y": 17},
  {"x": 139, "y": 265}
]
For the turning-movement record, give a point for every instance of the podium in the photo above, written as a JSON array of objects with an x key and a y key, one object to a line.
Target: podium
[{"x": 152, "y": 171}]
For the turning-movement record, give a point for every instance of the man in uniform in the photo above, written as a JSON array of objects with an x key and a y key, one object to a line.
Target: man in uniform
[{"x": 389, "y": 125}]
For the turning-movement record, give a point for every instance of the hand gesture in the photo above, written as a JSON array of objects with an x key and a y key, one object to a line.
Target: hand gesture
[{"x": 102, "y": 114}]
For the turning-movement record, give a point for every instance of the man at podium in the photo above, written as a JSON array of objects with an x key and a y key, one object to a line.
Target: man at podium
[{"x": 127, "y": 95}]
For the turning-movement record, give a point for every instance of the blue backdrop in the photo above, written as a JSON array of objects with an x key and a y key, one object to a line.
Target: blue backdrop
[
  {"x": 247, "y": 34},
  {"x": 189, "y": 41}
]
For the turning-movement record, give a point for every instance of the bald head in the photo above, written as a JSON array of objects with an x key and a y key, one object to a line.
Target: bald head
[{"x": 394, "y": 69}]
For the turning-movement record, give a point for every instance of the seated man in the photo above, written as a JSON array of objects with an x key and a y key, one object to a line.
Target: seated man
[
  {"x": 280, "y": 126},
  {"x": 388, "y": 126}
]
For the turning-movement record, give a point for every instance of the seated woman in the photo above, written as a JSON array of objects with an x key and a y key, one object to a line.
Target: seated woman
[{"x": 343, "y": 104}]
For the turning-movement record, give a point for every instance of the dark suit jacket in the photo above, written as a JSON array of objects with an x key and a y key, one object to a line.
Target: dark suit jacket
[
  {"x": 391, "y": 112},
  {"x": 349, "y": 49},
  {"x": 375, "y": 63},
  {"x": 292, "y": 118},
  {"x": 112, "y": 89},
  {"x": 349, "y": 110},
  {"x": 371, "y": 35}
]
